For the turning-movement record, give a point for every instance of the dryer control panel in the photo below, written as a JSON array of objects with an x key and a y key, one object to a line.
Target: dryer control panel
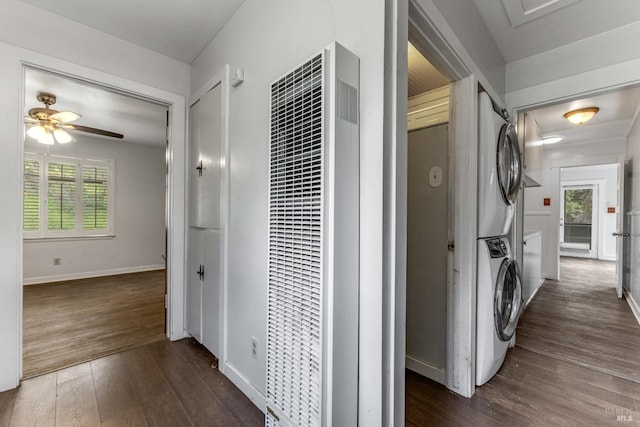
[{"x": 497, "y": 248}]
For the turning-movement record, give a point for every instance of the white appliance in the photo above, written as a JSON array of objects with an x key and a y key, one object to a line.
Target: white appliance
[
  {"x": 313, "y": 271},
  {"x": 499, "y": 169},
  {"x": 499, "y": 305}
]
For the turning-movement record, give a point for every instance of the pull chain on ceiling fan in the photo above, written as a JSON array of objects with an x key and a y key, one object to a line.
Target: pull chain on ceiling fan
[{"x": 48, "y": 126}]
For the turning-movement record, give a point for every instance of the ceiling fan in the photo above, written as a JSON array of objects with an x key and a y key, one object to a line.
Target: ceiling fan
[{"x": 49, "y": 126}]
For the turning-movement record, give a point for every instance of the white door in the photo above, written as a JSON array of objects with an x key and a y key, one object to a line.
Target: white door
[
  {"x": 211, "y": 280},
  {"x": 621, "y": 233},
  {"x": 194, "y": 283},
  {"x": 579, "y": 221},
  {"x": 204, "y": 160}
]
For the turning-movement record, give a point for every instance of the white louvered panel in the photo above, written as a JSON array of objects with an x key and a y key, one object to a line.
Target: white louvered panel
[{"x": 295, "y": 248}]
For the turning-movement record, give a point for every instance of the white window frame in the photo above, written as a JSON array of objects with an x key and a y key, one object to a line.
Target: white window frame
[{"x": 44, "y": 233}]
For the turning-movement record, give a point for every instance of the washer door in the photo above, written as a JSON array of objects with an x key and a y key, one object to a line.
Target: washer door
[
  {"x": 507, "y": 300},
  {"x": 508, "y": 164}
]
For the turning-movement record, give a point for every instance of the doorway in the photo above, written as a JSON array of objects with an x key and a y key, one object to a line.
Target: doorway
[
  {"x": 428, "y": 218},
  {"x": 94, "y": 222},
  {"x": 579, "y": 220}
]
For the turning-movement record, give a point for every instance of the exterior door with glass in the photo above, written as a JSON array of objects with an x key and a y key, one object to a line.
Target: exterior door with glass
[{"x": 579, "y": 221}]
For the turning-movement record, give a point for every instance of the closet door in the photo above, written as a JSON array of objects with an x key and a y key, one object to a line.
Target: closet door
[
  {"x": 194, "y": 283},
  {"x": 211, "y": 304},
  {"x": 204, "y": 160}
]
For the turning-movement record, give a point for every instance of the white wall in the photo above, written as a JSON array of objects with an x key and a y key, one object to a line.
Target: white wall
[
  {"x": 545, "y": 218},
  {"x": 79, "y": 50},
  {"x": 139, "y": 221},
  {"x": 633, "y": 218},
  {"x": 607, "y": 197},
  {"x": 465, "y": 20},
  {"x": 268, "y": 39}
]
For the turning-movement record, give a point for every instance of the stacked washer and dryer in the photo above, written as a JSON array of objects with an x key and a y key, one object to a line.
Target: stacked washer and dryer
[{"x": 499, "y": 293}]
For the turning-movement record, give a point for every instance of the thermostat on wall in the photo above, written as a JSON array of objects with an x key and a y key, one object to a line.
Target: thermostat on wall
[{"x": 237, "y": 77}]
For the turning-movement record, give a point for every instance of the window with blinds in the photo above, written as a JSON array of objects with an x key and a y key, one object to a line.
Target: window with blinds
[
  {"x": 95, "y": 197},
  {"x": 61, "y": 196},
  {"x": 31, "y": 195},
  {"x": 67, "y": 197}
]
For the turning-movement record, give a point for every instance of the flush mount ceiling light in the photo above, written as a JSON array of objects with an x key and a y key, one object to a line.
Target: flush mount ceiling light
[
  {"x": 581, "y": 116},
  {"x": 48, "y": 126}
]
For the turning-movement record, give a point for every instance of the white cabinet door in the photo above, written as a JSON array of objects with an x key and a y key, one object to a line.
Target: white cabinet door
[
  {"x": 204, "y": 160},
  {"x": 203, "y": 288},
  {"x": 211, "y": 304},
  {"x": 194, "y": 283}
]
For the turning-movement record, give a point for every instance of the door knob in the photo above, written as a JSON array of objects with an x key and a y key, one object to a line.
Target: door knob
[{"x": 621, "y": 234}]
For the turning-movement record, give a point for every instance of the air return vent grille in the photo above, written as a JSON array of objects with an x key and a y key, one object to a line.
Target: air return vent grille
[{"x": 295, "y": 248}]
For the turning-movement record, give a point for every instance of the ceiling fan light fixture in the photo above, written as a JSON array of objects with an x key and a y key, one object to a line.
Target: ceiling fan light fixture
[
  {"x": 46, "y": 139},
  {"x": 62, "y": 136},
  {"x": 581, "y": 116},
  {"x": 65, "y": 116},
  {"x": 36, "y": 132}
]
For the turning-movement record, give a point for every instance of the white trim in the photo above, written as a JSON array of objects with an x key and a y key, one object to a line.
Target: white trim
[
  {"x": 431, "y": 33},
  {"x": 90, "y": 274},
  {"x": 388, "y": 407},
  {"x": 240, "y": 381},
  {"x": 461, "y": 288},
  {"x": 426, "y": 370},
  {"x": 176, "y": 189},
  {"x": 537, "y": 288},
  {"x": 635, "y": 309}
]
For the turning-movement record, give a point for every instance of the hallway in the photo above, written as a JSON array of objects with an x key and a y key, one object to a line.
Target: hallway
[{"x": 576, "y": 362}]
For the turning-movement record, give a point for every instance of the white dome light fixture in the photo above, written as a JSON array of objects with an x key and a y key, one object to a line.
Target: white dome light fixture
[{"x": 581, "y": 116}]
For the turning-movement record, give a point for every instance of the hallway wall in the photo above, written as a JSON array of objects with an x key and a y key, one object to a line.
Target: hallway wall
[{"x": 633, "y": 217}]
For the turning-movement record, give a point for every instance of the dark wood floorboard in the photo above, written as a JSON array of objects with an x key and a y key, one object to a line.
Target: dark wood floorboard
[
  {"x": 159, "y": 384},
  {"x": 67, "y": 323},
  {"x": 576, "y": 363},
  {"x": 579, "y": 319}
]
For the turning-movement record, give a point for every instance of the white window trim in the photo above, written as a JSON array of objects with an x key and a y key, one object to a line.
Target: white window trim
[{"x": 43, "y": 233}]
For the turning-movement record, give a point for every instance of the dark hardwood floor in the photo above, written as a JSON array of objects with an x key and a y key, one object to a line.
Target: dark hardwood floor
[
  {"x": 158, "y": 384},
  {"x": 71, "y": 322},
  {"x": 575, "y": 363}
]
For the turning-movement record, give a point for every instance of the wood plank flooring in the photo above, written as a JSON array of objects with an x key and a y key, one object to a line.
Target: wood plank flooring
[
  {"x": 67, "y": 323},
  {"x": 158, "y": 384},
  {"x": 580, "y": 319},
  {"x": 574, "y": 364}
]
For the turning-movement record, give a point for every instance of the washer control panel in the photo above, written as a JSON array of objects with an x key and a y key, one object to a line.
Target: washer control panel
[{"x": 497, "y": 248}]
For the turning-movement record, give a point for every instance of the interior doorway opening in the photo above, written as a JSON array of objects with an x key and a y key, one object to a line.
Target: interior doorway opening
[{"x": 95, "y": 222}]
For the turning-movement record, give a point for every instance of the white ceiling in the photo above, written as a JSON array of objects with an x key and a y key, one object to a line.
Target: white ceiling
[
  {"x": 618, "y": 109},
  {"x": 141, "y": 122},
  {"x": 563, "y": 24},
  {"x": 180, "y": 29}
]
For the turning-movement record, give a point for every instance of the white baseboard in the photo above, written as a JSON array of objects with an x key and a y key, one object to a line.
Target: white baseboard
[
  {"x": 538, "y": 286},
  {"x": 426, "y": 370},
  {"x": 245, "y": 386},
  {"x": 90, "y": 274},
  {"x": 633, "y": 305}
]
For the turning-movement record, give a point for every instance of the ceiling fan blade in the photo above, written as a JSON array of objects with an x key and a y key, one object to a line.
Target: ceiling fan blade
[
  {"x": 94, "y": 131},
  {"x": 29, "y": 120},
  {"x": 65, "y": 116}
]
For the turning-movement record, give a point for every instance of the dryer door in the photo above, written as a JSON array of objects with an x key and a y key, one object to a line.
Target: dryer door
[
  {"x": 507, "y": 300},
  {"x": 509, "y": 164}
]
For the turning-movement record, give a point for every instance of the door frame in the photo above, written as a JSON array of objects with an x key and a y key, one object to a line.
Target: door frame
[
  {"x": 431, "y": 34},
  {"x": 597, "y": 204},
  {"x": 175, "y": 197}
]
